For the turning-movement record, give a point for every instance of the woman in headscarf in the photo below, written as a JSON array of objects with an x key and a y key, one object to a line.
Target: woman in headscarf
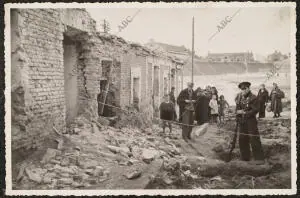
[
  {"x": 202, "y": 107},
  {"x": 276, "y": 104}
]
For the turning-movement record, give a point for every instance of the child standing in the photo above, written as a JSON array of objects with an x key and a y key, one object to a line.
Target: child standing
[
  {"x": 222, "y": 105},
  {"x": 213, "y": 103},
  {"x": 167, "y": 110}
]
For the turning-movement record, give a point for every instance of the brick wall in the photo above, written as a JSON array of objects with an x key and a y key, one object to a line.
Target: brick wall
[
  {"x": 125, "y": 91},
  {"x": 38, "y": 76},
  {"x": 39, "y": 48},
  {"x": 150, "y": 81}
]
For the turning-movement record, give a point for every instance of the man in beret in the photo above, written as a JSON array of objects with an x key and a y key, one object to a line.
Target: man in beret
[{"x": 247, "y": 108}]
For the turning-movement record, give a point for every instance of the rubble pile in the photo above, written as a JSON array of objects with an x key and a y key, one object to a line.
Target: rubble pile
[
  {"x": 88, "y": 154},
  {"x": 98, "y": 156},
  {"x": 133, "y": 118}
]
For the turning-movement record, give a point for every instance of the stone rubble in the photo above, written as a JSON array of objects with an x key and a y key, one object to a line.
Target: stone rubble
[{"x": 87, "y": 159}]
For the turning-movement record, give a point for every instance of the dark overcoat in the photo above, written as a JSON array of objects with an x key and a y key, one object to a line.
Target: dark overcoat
[
  {"x": 184, "y": 95},
  {"x": 276, "y": 95},
  {"x": 263, "y": 96},
  {"x": 248, "y": 125},
  {"x": 202, "y": 108}
]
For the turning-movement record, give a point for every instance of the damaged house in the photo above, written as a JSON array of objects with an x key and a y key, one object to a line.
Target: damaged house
[{"x": 59, "y": 63}]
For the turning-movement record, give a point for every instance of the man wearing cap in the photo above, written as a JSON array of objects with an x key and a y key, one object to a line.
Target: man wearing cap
[
  {"x": 186, "y": 100},
  {"x": 247, "y": 108}
]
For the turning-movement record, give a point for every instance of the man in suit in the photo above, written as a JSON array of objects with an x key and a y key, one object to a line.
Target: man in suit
[{"x": 186, "y": 100}]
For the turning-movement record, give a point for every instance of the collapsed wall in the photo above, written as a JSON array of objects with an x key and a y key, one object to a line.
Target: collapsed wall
[
  {"x": 38, "y": 71},
  {"x": 58, "y": 63}
]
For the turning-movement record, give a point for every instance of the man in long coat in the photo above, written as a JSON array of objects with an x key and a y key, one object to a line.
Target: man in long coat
[
  {"x": 247, "y": 108},
  {"x": 186, "y": 100},
  {"x": 263, "y": 97},
  {"x": 276, "y": 105}
]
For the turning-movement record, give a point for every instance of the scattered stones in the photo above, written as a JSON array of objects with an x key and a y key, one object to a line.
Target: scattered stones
[
  {"x": 66, "y": 181},
  {"x": 148, "y": 131},
  {"x": 149, "y": 154},
  {"x": 65, "y": 162},
  {"x": 64, "y": 174},
  {"x": 33, "y": 175},
  {"x": 136, "y": 152},
  {"x": 99, "y": 171},
  {"x": 166, "y": 179},
  {"x": 47, "y": 180},
  {"x": 50, "y": 154},
  {"x": 76, "y": 184},
  {"x": 133, "y": 174},
  {"x": 21, "y": 171},
  {"x": 59, "y": 143},
  {"x": 103, "y": 121},
  {"x": 70, "y": 170},
  {"x": 95, "y": 128},
  {"x": 89, "y": 171},
  {"x": 116, "y": 149},
  {"x": 77, "y": 148},
  {"x": 88, "y": 164}
]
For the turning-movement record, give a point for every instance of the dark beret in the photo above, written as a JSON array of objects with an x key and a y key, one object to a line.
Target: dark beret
[{"x": 244, "y": 85}]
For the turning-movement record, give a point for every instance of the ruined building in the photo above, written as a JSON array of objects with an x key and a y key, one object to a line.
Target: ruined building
[{"x": 58, "y": 63}]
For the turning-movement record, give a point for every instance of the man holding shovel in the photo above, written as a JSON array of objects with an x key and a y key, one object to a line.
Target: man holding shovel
[{"x": 247, "y": 108}]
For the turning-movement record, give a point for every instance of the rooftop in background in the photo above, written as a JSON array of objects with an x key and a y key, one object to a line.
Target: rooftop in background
[{"x": 230, "y": 54}]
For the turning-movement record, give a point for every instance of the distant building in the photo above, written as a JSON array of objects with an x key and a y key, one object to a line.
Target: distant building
[
  {"x": 230, "y": 57},
  {"x": 276, "y": 56}
]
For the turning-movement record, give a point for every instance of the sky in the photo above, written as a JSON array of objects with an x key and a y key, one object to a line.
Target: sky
[{"x": 261, "y": 30}]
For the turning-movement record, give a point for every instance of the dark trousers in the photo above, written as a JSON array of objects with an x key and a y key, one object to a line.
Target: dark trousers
[
  {"x": 181, "y": 110},
  {"x": 262, "y": 110},
  {"x": 188, "y": 119},
  {"x": 214, "y": 118},
  {"x": 245, "y": 141}
]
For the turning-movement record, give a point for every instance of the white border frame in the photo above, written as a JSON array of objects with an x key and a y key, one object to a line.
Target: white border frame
[{"x": 9, "y": 190}]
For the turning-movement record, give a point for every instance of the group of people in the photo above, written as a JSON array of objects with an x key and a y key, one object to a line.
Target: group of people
[
  {"x": 275, "y": 97},
  {"x": 202, "y": 105},
  {"x": 205, "y": 105}
]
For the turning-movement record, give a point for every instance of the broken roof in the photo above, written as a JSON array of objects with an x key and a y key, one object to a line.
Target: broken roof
[{"x": 172, "y": 48}]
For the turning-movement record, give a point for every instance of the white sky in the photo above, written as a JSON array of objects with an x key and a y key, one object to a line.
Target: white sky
[{"x": 261, "y": 30}]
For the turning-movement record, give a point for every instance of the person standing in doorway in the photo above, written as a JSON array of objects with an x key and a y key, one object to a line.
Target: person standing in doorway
[
  {"x": 247, "y": 108},
  {"x": 186, "y": 100},
  {"x": 262, "y": 96}
]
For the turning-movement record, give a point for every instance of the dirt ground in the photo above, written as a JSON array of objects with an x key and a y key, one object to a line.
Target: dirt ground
[{"x": 95, "y": 156}]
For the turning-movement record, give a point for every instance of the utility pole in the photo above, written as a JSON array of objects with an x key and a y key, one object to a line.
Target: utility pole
[
  {"x": 246, "y": 62},
  {"x": 193, "y": 51},
  {"x": 105, "y": 26}
]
